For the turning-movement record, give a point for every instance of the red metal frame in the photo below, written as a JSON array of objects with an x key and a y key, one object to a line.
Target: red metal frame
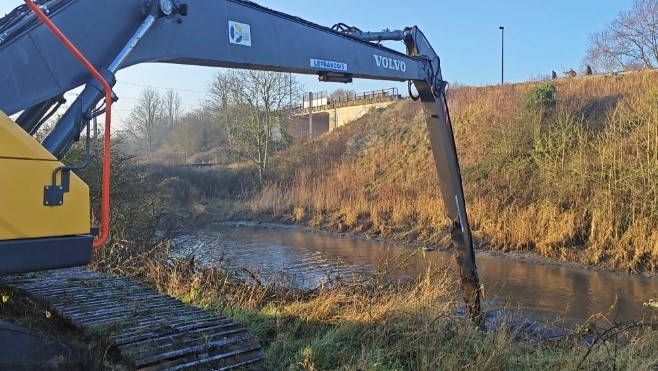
[{"x": 105, "y": 187}]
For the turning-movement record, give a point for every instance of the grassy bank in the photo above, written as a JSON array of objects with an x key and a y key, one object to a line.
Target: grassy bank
[
  {"x": 374, "y": 326},
  {"x": 574, "y": 180}
]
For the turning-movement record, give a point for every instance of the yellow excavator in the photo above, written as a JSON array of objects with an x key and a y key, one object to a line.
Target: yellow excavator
[{"x": 49, "y": 47}]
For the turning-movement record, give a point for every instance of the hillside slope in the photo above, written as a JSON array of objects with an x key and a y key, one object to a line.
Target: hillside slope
[{"x": 575, "y": 181}]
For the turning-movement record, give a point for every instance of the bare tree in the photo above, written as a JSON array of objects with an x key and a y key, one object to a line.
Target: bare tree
[
  {"x": 171, "y": 106},
  {"x": 630, "y": 39},
  {"x": 196, "y": 132},
  {"x": 341, "y": 94},
  {"x": 145, "y": 118},
  {"x": 223, "y": 108},
  {"x": 251, "y": 106}
]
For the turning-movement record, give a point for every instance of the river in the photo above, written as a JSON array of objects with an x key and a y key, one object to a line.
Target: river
[{"x": 309, "y": 259}]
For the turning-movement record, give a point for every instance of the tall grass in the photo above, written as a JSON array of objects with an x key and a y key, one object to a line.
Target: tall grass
[
  {"x": 578, "y": 182},
  {"x": 368, "y": 325}
]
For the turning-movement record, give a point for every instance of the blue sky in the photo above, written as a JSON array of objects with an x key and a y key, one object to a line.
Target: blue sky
[{"x": 540, "y": 36}]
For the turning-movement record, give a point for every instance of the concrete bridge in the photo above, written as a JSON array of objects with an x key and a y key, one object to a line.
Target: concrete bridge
[{"x": 321, "y": 114}]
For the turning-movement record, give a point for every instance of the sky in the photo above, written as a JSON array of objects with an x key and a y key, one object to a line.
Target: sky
[{"x": 539, "y": 36}]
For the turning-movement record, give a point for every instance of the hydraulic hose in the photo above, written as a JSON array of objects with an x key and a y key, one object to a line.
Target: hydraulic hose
[{"x": 105, "y": 182}]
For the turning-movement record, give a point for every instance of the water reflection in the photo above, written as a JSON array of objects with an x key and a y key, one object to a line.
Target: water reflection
[{"x": 310, "y": 259}]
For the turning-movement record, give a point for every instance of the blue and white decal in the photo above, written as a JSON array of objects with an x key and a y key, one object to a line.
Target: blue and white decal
[
  {"x": 239, "y": 33},
  {"x": 328, "y": 65}
]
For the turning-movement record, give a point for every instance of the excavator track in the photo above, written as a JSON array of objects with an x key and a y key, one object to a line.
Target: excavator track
[{"x": 148, "y": 330}]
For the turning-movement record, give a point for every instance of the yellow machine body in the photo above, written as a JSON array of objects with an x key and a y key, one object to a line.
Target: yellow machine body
[{"x": 26, "y": 168}]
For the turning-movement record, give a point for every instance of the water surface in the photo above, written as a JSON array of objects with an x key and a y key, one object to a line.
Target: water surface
[{"x": 310, "y": 259}]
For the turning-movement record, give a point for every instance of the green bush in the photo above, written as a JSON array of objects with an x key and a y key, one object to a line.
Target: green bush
[{"x": 540, "y": 100}]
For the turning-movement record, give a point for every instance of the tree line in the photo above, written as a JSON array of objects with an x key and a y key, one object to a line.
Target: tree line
[{"x": 243, "y": 118}]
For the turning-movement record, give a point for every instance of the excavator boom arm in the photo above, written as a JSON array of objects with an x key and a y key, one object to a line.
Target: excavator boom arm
[{"x": 219, "y": 33}]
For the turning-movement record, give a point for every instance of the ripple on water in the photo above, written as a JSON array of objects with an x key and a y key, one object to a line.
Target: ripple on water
[{"x": 541, "y": 291}]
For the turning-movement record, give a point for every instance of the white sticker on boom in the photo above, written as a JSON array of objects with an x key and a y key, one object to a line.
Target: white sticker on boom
[
  {"x": 328, "y": 65},
  {"x": 459, "y": 213},
  {"x": 239, "y": 33}
]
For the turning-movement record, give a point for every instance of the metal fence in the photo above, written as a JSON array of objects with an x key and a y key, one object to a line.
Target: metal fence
[
  {"x": 391, "y": 92},
  {"x": 321, "y": 100}
]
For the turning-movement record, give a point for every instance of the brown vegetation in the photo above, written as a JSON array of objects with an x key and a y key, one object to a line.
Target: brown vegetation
[
  {"x": 370, "y": 325},
  {"x": 577, "y": 181}
]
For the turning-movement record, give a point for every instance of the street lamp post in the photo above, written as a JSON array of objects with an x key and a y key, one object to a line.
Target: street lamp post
[{"x": 502, "y": 53}]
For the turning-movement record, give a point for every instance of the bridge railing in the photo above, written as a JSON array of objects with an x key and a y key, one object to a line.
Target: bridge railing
[
  {"x": 391, "y": 92},
  {"x": 374, "y": 96}
]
